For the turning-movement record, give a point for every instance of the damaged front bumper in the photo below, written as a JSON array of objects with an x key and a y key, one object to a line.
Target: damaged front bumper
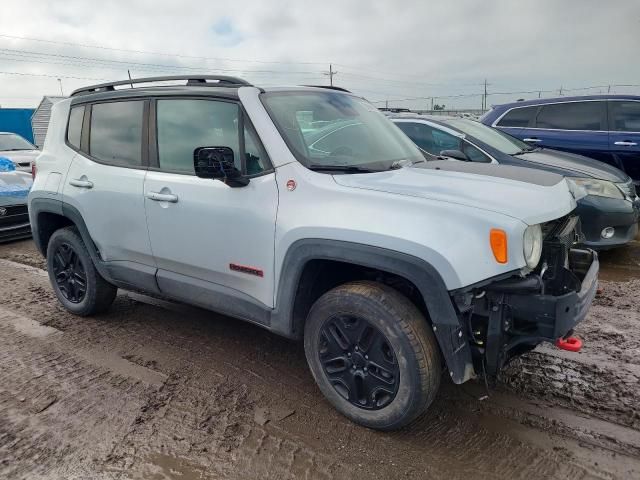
[{"x": 511, "y": 316}]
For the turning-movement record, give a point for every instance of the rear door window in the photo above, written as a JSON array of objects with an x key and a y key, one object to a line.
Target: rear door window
[
  {"x": 572, "y": 116},
  {"x": 518, "y": 117},
  {"x": 116, "y": 133},
  {"x": 624, "y": 116}
]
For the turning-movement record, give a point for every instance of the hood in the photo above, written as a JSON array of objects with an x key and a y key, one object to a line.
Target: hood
[
  {"x": 22, "y": 158},
  {"x": 533, "y": 196},
  {"x": 575, "y": 165},
  {"x": 14, "y": 187}
]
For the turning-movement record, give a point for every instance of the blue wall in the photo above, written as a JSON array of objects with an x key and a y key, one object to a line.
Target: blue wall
[{"x": 17, "y": 120}]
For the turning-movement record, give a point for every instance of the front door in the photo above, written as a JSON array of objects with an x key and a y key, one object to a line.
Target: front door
[
  {"x": 206, "y": 235},
  {"x": 624, "y": 136}
]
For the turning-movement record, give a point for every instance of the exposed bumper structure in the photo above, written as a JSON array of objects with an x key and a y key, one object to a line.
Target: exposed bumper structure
[{"x": 524, "y": 312}]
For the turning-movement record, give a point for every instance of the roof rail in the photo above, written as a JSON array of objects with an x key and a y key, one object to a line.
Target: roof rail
[
  {"x": 192, "y": 80},
  {"x": 329, "y": 87}
]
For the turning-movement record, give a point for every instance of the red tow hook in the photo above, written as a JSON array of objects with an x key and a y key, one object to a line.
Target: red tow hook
[{"x": 571, "y": 344}]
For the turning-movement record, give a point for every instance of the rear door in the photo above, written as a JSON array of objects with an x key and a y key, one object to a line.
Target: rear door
[
  {"x": 578, "y": 127},
  {"x": 106, "y": 177},
  {"x": 624, "y": 136},
  {"x": 207, "y": 236}
]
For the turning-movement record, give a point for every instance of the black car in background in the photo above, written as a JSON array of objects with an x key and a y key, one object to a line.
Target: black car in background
[{"x": 608, "y": 212}]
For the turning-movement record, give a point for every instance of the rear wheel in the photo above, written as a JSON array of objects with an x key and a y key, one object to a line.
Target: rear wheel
[
  {"x": 75, "y": 280},
  {"x": 372, "y": 354}
]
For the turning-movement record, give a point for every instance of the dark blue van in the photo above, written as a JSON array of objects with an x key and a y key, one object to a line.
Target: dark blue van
[{"x": 604, "y": 127}]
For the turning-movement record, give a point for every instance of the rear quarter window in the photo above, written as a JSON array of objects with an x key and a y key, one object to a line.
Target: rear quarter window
[
  {"x": 518, "y": 117},
  {"x": 74, "y": 129}
]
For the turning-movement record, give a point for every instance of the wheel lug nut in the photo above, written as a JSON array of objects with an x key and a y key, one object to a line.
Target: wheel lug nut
[
  {"x": 356, "y": 348},
  {"x": 349, "y": 354},
  {"x": 365, "y": 369},
  {"x": 366, "y": 357}
]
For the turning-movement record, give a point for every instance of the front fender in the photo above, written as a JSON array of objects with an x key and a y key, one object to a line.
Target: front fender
[{"x": 445, "y": 323}]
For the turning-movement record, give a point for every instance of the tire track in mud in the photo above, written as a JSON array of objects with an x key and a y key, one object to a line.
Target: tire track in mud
[{"x": 238, "y": 402}]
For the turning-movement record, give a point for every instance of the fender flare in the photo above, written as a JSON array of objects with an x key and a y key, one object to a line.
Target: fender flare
[
  {"x": 50, "y": 205},
  {"x": 448, "y": 329}
]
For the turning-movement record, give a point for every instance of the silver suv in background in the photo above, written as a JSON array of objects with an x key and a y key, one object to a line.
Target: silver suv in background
[{"x": 392, "y": 270}]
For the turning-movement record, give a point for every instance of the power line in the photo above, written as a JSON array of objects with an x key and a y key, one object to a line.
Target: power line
[
  {"x": 72, "y": 58},
  {"x": 51, "y": 76},
  {"x": 149, "y": 52}
]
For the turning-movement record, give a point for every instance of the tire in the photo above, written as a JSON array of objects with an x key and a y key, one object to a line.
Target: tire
[
  {"x": 70, "y": 266},
  {"x": 392, "y": 385}
]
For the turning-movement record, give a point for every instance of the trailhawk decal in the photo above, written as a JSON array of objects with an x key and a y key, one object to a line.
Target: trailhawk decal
[{"x": 246, "y": 269}]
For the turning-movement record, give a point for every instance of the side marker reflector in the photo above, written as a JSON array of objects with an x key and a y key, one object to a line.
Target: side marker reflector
[{"x": 498, "y": 241}]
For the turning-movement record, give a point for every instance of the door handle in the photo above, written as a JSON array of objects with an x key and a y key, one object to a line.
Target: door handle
[
  {"x": 162, "y": 197},
  {"x": 626, "y": 143},
  {"x": 76, "y": 182},
  {"x": 534, "y": 140}
]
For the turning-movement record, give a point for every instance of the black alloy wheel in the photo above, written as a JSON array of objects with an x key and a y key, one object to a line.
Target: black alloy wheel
[
  {"x": 69, "y": 273},
  {"x": 359, "y": 362}
]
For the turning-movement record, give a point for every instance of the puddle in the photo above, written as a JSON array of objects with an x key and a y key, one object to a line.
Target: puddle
[
  {"x": 26, "y": 325},
  {"x": 166, "y": 467}
]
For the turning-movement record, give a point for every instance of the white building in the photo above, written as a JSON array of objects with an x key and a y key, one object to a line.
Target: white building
[{"x": 40, "y": 119}]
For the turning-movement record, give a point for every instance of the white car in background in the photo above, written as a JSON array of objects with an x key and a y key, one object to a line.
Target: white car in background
[{"x": 18, "y": 149}]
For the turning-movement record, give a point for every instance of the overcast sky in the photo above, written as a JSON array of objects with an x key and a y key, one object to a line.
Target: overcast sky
[{"x": 384, "y": 50}]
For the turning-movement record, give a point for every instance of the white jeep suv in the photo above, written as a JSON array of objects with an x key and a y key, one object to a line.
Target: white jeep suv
[{"x": 259, "y": 204}]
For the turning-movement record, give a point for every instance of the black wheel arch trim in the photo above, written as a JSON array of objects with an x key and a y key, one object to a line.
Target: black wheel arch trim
[{"x": 449, "y": 331}]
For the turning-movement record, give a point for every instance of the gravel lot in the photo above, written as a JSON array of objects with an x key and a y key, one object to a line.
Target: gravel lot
[{"x": 157, "y": 390}]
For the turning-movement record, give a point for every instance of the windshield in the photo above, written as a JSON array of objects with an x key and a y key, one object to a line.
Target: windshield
[
  {"x": 492, "y": 137},
  {"x": 331, "y": 129},
  {"x": 11, "y": 141}
]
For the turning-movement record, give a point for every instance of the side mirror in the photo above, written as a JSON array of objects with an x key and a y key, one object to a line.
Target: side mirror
[
  {"x": 456, "y": 154},
  {"x": 218, "y": 163}
]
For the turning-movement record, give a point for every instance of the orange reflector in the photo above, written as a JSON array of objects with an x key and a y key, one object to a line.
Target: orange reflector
[{"x": 498, "y": 241}]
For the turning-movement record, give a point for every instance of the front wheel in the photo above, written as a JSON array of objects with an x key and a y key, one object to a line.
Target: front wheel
[
  {"x": 75, "y": 280},
  {"x": 372, "y": 354}
]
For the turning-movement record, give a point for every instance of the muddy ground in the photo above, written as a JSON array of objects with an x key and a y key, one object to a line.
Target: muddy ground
[{"x": 156, "y": 390}]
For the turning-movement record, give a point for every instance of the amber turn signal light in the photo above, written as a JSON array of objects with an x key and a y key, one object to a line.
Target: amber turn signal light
[{"x": 498, "y": 241}]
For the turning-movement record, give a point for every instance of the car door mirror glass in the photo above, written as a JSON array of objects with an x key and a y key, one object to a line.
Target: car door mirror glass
[
  {"x": 457, "y": 154},
  {"x": 218, "y": 163}
]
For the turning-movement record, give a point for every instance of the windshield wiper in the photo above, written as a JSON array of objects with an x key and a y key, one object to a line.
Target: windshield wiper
[
  {"x": 341, "y": 168},
  {"x": 527, "y": 150},
  {"x": 405, "y": 163}
]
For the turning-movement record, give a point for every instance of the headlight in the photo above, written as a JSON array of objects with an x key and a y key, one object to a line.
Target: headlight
[
  {"x": 532, "y": 245},
  {"x": 601, "y": 188}
]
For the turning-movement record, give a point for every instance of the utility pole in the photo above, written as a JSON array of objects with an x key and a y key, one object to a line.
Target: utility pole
[
  {"x": 540, "y": 94},
  {"x": 560, "y": 91},
  {"x": 386, "y": 104},
  {"x": 60, "y": 83},
  {"x": 609, "y": 89},
  {"x": 484, "y": 96},
  {"x": 330, "y": 74},
  {"x": 432, "y": 104}
]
